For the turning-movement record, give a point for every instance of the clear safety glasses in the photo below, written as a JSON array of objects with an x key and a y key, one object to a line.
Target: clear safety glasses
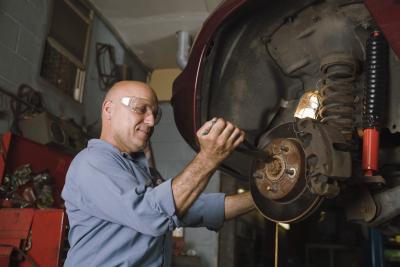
[{"x": 142, "y": 106}]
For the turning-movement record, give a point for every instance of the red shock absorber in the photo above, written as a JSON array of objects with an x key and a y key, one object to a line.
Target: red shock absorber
[
  {"x": 374, "y": 99},
  {"x": 370, "y": 151}
]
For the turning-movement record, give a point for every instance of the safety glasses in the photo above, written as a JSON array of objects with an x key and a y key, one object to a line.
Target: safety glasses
[{"x": 142, "y": 106}]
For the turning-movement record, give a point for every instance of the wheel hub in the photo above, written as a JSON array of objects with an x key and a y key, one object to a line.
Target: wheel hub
[
  {"x": 278, "y": 177},
  {"x": 292, "y": 185}
]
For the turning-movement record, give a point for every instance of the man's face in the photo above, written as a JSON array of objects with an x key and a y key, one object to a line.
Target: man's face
[{"x": 130, "y": 126}]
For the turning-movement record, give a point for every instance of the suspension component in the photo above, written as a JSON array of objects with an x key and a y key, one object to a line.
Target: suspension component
[
  {"x": 304, "y": 169},
  {"x": 374, "y": 99},
  {"x": 337, "y": 92}
]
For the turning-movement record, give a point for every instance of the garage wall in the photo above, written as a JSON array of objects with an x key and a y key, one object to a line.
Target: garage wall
[
  {"x": 23, "y": 28},
  {"x": 93, "y": 96},
  {"x": 171, "y": 155}
]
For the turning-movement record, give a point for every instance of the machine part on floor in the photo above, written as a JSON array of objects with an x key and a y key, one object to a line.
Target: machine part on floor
[
  {"x": 24, "y": 189},
  {"x": 305, "y": 168},
  {"x": 374, "y": 99},
  {"x": 337, "y": 97},
  {"x": 16, "y": 189},
  {"x": 21, "y": 176},
  {"x": 44, "y": 190},
  {"x": 17, "y": 151}
]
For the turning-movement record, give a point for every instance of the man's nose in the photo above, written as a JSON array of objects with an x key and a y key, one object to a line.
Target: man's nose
[{"x": 149, "y": 119}]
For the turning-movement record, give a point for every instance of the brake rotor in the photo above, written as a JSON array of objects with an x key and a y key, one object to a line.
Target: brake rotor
[{"x": 279, "y": 186}]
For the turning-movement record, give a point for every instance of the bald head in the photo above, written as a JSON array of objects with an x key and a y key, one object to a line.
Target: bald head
[
  {"x": 124, "y": 88},
  {"x": 126, "y": 129}
]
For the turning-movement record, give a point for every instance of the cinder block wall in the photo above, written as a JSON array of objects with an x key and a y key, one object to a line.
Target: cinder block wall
[
  {"x": 171, "y": 155},
  {"x": 23, "y": 29}
]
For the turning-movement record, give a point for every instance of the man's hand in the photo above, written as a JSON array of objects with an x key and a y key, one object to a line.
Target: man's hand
[{"x": 217, "y": 139}]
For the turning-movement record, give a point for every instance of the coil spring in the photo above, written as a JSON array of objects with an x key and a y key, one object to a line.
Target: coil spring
[
  {"x": 337, "y": 97},
  {"x": 376, "y": 80}
]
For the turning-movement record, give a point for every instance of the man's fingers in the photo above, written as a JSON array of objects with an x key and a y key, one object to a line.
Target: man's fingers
[
  {"x": 223, "y": 132},
  {"x": 235, "y": 135},
  {"x": 239, "y": 140},
  {"x": 227, "y": 131},
  {"x": 206, "y": 128}
]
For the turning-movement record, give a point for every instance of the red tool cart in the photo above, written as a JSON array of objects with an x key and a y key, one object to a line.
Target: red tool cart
[{"x": 34, "y": 236}]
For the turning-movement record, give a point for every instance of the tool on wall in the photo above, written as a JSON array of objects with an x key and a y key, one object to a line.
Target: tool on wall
[
  {"x": 27, "y": 101},
  {"x": 108, "y": 70},
  {"x": 106, "y": 65}
]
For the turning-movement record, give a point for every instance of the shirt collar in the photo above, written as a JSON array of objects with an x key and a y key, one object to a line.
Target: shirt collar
[
  {"x": 98, "y": 143},
  {"x": 102, "y": 144}
]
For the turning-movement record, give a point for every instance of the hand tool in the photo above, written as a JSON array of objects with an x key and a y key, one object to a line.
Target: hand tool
[
  {"x": 249, "y": 149},
  {"x": 253, "y": 151}
]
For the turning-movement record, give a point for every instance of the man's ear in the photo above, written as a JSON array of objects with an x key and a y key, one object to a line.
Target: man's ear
[{"x": 107, "y": 109}]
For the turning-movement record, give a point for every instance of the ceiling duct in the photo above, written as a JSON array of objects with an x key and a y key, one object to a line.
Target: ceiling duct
[{"x": 184, "y": 43}]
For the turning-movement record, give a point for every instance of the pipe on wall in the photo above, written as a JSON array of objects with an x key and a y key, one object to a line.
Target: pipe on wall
[{"x": 184, "y": 43}]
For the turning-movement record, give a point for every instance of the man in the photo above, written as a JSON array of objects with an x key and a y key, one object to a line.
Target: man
[{"x": 117, "y": 215}]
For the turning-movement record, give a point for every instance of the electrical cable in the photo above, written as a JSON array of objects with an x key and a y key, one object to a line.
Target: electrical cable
[
  {"x": 27, "y": 102},
  {"x": 107, "y": 68},
  {"x": 16, "y": 98}
]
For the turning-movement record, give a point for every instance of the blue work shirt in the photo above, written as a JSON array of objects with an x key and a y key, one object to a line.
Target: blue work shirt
[{"x": 117, "y": 216}]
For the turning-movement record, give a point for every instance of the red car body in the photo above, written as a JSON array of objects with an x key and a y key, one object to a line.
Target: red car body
[{"x": 186, "y": 89}]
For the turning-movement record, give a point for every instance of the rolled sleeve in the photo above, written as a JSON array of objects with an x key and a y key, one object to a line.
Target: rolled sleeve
[
  {"x": 215, "y": 207},
  {"x": 164, "y": 197},
  {"x": 207, "y": 211}
]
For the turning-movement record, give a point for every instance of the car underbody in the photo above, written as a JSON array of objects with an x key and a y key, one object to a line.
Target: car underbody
[{"x": 315, "y": 85}]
